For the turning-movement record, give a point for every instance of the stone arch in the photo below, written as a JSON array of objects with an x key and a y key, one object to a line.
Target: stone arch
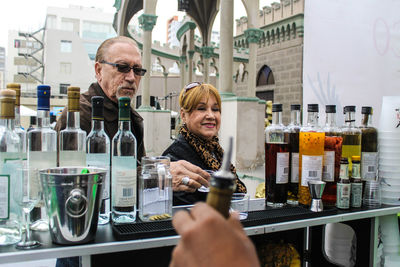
[
  {"x": 288, "y": 32},
  {"x": 283, "y": 32},
  {"x": 294, "y": 29},
  {"x": 278, "y": 35},
  {"x": 268, "y": 38},
  {"x": 265, "y": 76},
  {"x": 161, "y": 64},
  {"x": 273, "y": 36},
  {"x": 243, "y": 43}
]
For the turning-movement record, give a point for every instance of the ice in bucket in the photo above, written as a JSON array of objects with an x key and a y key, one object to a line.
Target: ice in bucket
[{"x": 72, "y": 196}]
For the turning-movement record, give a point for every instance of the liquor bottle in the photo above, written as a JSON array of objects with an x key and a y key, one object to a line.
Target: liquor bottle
[
  {"x": 98, "y": 154},
  {"x": 351, "y": 136},
  {"x": 42, "y": 153},
  {"x": 311, "y": 153},
  {"x": 9, "y": 161},
  {"x": 332, "y": 155},
  {"x": 73, "y": 138},
  {"x": 356, "y": 183},
  {"x": 294, "y": 130},
  {"x": 123, "y": 166},
  {"x": 343, "y": 186},
  {"x": 369, "y": 146},
  {"x": 17, "y": 121},
  {"x": 276, "y": 160}
]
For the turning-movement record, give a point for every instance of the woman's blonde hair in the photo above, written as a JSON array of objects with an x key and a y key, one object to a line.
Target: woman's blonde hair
[{"x": 190, "y": 98}]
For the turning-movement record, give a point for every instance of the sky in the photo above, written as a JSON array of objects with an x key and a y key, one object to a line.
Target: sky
[{"x": 29, "y": 15}]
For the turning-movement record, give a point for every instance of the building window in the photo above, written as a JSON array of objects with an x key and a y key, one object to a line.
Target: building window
[
  {"x": 63, "y": 88},
  {"x": 65, "y": 68},
  {"x": 265, "y": 76},
  {"x": 66, "y": 46}
]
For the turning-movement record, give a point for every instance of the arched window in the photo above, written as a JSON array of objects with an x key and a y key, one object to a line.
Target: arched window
[{"x": 265, "y": 76}]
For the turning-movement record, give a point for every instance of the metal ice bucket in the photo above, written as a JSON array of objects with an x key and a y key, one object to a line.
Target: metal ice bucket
[{"x": 72, "y": 198}]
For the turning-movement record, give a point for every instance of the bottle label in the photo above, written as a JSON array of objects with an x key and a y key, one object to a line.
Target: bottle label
[
  {"x": 355, "y": 170},
  {"x": 356, "y": 195},
  {"x": 328, "y": 169},
  {"x": 369, "y": 163},
  {"x": 282, "y": 168},
  {"x": 343, "y": 196},
  {"x": 344, "y": 171},
  {"x": 101, "y": 160},
  {"x": 294, "y": 176},
  {"x": 124, "y": 181},
  {"x": 311, "y": 169},
  {"x": 4, "y": 196}
]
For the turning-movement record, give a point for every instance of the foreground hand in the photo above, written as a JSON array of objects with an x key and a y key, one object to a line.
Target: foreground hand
[
  {"x": 209, "y": 240},
  {"x": 196, "y": 177}
]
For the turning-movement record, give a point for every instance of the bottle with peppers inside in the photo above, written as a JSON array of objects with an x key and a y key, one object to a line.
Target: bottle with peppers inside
[{"x": 332, "y": 155}]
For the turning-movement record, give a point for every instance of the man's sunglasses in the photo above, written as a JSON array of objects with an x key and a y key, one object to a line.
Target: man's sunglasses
[
  {"x": 191, "y": 86},
  {"x": 125, "y": 68}
]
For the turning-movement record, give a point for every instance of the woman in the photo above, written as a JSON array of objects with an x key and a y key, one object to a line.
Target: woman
[{"x": 197, "y": 141}]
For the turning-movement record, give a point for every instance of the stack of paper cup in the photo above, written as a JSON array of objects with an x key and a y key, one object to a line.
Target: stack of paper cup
[
  {"x": 390, "y": 236},
  {"x": 389, "y": 150}
]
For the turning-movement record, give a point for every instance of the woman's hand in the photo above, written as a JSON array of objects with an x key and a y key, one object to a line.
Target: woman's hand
[{"x": 188, "y": 177}]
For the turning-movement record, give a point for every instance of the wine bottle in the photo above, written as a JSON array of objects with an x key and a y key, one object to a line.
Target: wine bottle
[
  {"x": 276, "y": 160},
  {"x": 124, "y": 176},
  {"x": 98, "y": 154},
  {"x": 9, "y": 163},
  {"x": 294, "y": 130},
  {"x": 73, "y": 138},
  {"x": 42, "y": 153},
  {"x": 369, "y": 146},
  {"x": 351, "y": 136}
]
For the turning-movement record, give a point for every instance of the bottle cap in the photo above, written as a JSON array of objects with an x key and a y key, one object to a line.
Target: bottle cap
[
  {"x": 355, "y": 158},
  {"x": 17, "y": 88},
  {"x": 276, "y": 107},
  {"x": 349, "y": 109},
  {"x": 312, "y": 108},
  {"x": 7, "y": 100},
  {"x": 124, "y": 104},
  {"x": 295, "y": 107},
  {"x": 366, "y": 110},
  {"x": 97, "y": 108},
  {"x": 73, "y": 98},
  {"x": 330, "y": 108},
  {"x": 43, "y": 96}
]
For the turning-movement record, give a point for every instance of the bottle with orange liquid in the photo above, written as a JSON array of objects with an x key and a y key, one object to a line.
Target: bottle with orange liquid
[
  {"x": 311, "y": 153},
  {"x": 332, "y": 155}
]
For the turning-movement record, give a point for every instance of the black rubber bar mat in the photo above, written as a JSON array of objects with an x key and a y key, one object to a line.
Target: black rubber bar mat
[{"x": 164, "y": 228}]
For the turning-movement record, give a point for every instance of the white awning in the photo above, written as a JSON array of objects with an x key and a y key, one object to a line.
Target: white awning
[{"x": 25, "y": 111}]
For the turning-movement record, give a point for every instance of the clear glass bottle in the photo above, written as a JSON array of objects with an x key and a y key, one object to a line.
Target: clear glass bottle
[
  {"x": 343, "y": 186},
  {"x": 356, "y": 183},
  {"x": 276, "y": 160},
  {"x": 351, "y": 136},
  {"x": 123, "y": 166},
  {"x": 73, "y": 138},
  {"x": 42, "y": 153},
  {"x": 332, "y": 154},
  {"x": 311, "y": 153},
  {"x": 294, "y": 131},
  {"x": 17, "y": 121},
  {"x": 98, "y": 154},
  {"x": 9, "y": 162},
  {"x": 369, "y": 146}
]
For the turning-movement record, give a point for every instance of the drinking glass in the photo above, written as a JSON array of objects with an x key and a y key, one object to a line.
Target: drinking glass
[
  {"x": 240, "y": 204},
  {"x": 26, "y": 199},
  {"x": 203, "y": 188}
]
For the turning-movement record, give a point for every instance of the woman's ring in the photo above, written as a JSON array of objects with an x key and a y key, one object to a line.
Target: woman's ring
[{"x": 185, "y": 180}]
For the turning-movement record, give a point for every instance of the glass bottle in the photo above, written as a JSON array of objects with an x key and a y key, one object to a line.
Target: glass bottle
[
  {"x": 332, "y": 155},
  {"x": 276, "y": 160},
  {"x": 9, "y": 161},
  {"x": 17, "y": 121},
  {"x": 311, "y": 153},
  {"x": 343, "y": 186},
  {"x": 369, "y": 146},
  {"x": 294, "y": 130},
  {"x": 98, "y": 154},
  {"x": 351, "y": 136},
  {"x": 124, "y": 176},
  {"x": 73, "y": 138},
  {"x": 356, "y": 183},
  {"x": 42, "y": 153}
]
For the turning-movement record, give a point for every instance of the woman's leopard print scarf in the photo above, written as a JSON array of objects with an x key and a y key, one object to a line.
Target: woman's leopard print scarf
[{"x": 211, "y": 153}]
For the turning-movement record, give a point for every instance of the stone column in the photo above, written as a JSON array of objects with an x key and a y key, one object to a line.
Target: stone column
[
  {"x": 226, "y": 49},
  {"x": 147, "y": 22},
  {"x": 190, "y": 63},
  {"x": 182, "y": 69},
  {"x": 165, "y": 89},
  {"x": 207, "y": 52},
  {"x": 253, "y": 36}
]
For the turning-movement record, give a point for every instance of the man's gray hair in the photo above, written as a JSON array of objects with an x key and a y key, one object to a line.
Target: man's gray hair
[{"x": 102, "y": 50}]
